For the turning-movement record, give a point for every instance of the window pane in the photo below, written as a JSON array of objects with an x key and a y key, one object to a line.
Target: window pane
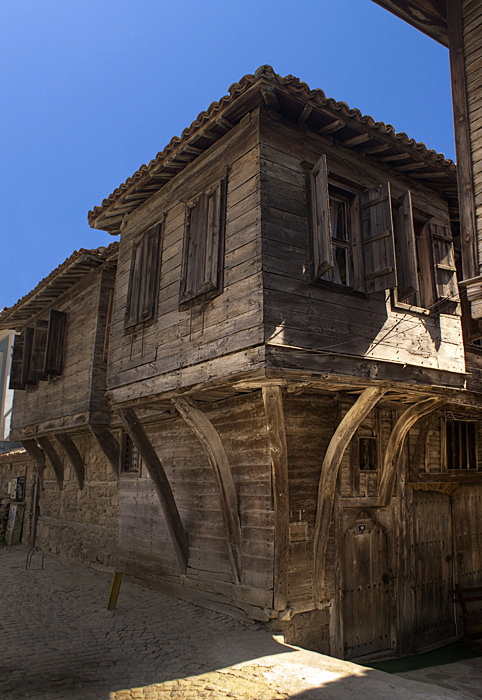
[
  {"x": 340, "y": 267},
  {"x": 461, "y": 445},
  {"x": 339, "y": 228}
]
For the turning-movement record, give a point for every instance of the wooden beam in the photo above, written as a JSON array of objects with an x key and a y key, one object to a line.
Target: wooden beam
[
  {"x": 396, "y": 442},
  {"x": 35, "y": 453},
  {"x": 427, "y": 15},
  {"x": 357, "y": 140},
  {"x": 216, "y": 454},
  {"x": 275, "y": 424},
  {"x": 307, "y": 110},
  {"x": 74, "y": 456},
  {"x": 47, "y": 446},
  {"x": 109, "y": 446},
  {"x": 270, "y": 98},
  {"x": 330, "y": 128},
  {"x": 154, "y": 466},
  {"x": 418, "y": 454},
  {"x": 329, "y": 473},
  {"x": 465, "y": 183}
]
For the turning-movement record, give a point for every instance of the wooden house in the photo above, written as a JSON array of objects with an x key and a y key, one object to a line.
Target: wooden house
[
  {"x": 58, "y": 374},
  {"x": 287, "y": 365}
]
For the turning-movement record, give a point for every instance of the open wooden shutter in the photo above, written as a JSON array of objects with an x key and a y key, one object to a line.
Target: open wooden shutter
[
  {"x": 405, "y": 247},
  {"x": 444, "y": 262},
  {"x": 194, "y": 234},
  {"x": 39, "y": 346},
  {"x": 378, "y": 244},
  {"x": 27, "y": 377},
  {"x": 321, "y": 244},
  {"x": 55, "y": 343},
  {"x": 150, "y": 276},
  {"x": 16, "y": 367}
]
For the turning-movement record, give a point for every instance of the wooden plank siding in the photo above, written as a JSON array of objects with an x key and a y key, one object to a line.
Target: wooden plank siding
[
  {"x": 224, "y": 324},
  {"x": 145, "y": 547},
  {"x": 305, "y": 315},
  {"x": 472, "y": 19},
  {"x": 81, "y": 386}
]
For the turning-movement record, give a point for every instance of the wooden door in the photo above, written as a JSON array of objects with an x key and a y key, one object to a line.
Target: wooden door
[
  {"x": 367, "y": 586},
  {"x": 433, "y": 565}
]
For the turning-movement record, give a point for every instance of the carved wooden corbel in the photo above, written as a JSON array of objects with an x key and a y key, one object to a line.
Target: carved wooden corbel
[
  {"x": 47, "y": 446},
  {"x": 329, "y": 473},
  {"x": 214, "y": 449},
  {"x": 109, "y": 446},
  {"x": 396, "y": 442},
  {"x": 158, "y": 475},
  {"x": 73, "y": 456}
]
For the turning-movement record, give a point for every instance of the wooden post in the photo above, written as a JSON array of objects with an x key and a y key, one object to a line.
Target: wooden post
[
  {"x": 329, "y": 473},
  {"x": 114, "y": 590},
  {"x": 55, "y": 460},
  {"x": 158, "y": 475},
  {"x": 214, "y": 449},
  {"x": 73, "y": 456},
  {"x": 396, "y": 442},
  {"x": 465, "y": 179},
  {"x": 109, "y": 446},
  {"x": 275, "y": 423}
]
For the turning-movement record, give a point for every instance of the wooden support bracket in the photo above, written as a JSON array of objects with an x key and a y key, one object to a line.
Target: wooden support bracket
[
  {"x": 329, "y": 473},
  {"x": 396, "y": 442},
  {"x": 154, "y": 466},
  {"x": 36, "y": 454},
  {"x": 47, "y": 446},
  {"x": 74, "y": 456},
  {"x": 109, "y": 446},
  {"x": 216, "y": 454},
  {"x": 275, "y": 423}
]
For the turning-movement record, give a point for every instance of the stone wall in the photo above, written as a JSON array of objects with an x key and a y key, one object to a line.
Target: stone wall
[
  {"x": 80, "y": 524},
  {"x": 13, "y": 465}
]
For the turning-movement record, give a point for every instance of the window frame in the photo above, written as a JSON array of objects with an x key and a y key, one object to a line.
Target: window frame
[
  {"x": 126, "y": 445},
  {"x": 454, "y": 420}
]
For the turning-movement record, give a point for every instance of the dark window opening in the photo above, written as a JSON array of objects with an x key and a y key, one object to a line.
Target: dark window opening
[
  {"x": 461, "y": 441},
  {"x": 368, "y": 454},
  {"x": 131, "y": 460}
]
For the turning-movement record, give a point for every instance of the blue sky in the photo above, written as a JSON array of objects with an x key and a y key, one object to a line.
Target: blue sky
[{"x": 93, "y": 89}]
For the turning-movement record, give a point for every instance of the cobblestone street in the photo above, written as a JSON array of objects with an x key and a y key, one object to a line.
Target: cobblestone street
[{"x": 60, "y": 642}]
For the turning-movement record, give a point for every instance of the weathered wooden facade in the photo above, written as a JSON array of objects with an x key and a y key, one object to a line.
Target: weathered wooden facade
[
  {"x": 290, "y": 367},
  {"x": 60, "y": 414},
  {"x": 287, "y": 391}
]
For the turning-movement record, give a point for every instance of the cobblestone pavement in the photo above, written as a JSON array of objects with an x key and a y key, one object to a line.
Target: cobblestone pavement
[{"x": 58, "y": 642}]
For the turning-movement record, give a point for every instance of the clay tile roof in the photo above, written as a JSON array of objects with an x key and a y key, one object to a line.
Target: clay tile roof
[
  {"x": 295, "y": 98},
  {"x": 56, "y": 283}
]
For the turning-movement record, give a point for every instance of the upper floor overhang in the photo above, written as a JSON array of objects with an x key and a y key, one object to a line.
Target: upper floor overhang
[{"x": 429, "y": 16}]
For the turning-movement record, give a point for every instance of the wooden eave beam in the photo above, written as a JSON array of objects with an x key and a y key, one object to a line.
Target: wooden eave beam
[
  {"x": 330, "y": 128},
  {"x": 109, "y": 446},
  {"x": 429, "y": 16},
  {"x": 357, "y": 140},
  {"x": 49, "y": 449},
  {"x": 158, "y": 475},
  {"x": 73, "y": 455},
  {"x": 329, "y": 474},
  {"x": 278, "y": 450},
  {"x": 216, "y": 454},
  {"x": 396, "y": 442}
]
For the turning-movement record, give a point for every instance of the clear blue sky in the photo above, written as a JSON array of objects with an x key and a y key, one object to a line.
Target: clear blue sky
[{"x": 91, "y": 89}]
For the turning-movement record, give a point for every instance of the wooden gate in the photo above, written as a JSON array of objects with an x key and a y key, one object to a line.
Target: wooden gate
[
  {"x": 367, "y": 586},
  {"x": 433, "y": 564}
]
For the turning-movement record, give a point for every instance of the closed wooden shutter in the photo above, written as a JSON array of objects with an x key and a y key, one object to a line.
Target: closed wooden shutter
[
  {"x": 204, "y": 244},
  {"x": 143, "y": 278},
  {"x": 16, "y": 367},
  {"x": 378, "y": 243},
  {"x": 444, "y": 262},
  {"x": 150, "y": 276},
  {"x": 27, "y": 377},
  {"x": 405, "y": 247},
  {"x": 39, "y": 347},
  {"x": 321, "y": 244},
  {"x": 54, "y": 355}
]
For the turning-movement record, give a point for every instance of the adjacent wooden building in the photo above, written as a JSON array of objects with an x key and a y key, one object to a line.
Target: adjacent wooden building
[{"x": 286, "y": 376}]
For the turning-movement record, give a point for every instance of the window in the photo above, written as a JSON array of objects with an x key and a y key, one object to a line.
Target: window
[
  {"x": 131, "y": 460},
  {"x": 39, "y": 352},
  {"x": 203, "y": 251},
  {"x": 369, "y": 242},
  {"x": 461, "y": 444},
  {"x": 143, "y": 278},
  {"x": 368, "y": 454}
]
